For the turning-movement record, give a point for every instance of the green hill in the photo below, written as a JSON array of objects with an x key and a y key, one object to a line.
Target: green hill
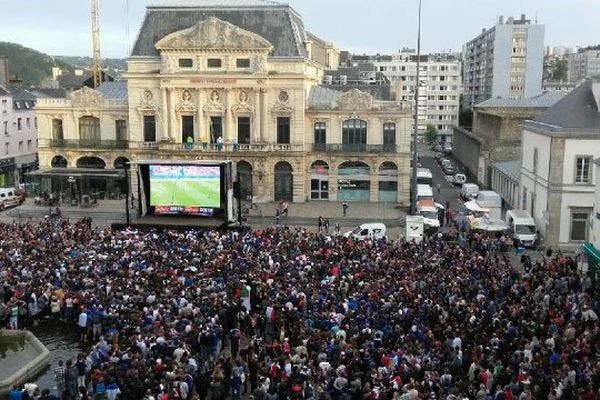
[{"x": 29, "y": 65}]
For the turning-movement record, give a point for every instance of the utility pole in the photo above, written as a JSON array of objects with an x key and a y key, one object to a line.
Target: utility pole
[
  {"x": 413, "y": 205},
  {"x": 97, "y": 61}
]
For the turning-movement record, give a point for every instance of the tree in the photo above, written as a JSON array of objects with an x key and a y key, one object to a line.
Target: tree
[
  {"x": 560, "y": 71},
  {"x": 431, "y": 134}
]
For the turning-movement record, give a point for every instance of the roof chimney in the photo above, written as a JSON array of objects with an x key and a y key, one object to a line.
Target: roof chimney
[
  {"x": 4, "y": 73},
  {"x": 523, "y": 17},
  {"x": 500, "y": 20}
]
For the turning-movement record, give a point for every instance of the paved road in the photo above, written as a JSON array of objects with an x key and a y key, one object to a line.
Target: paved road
[{"x": 448, "y": 192}]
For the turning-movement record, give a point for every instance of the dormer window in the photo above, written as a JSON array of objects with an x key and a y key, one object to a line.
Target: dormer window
[
  {"x": 186, "y": 63},
  {"x": 213, "y": 63},
  {"x": 242, "y": 63}
]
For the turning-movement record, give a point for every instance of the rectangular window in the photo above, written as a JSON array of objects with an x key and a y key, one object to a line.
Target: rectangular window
[
  {"x": 582, "y": 169},
  {"x": 17, "y": 105},
  {"x": 21, "y": 146},
  {"x": 57, "y": 129},
  {"x": 216, "y": 129},
  {"x": 35, "y": 122},
  {"x": 6, "y": 127},
  {"x": 187, "y": 129},
  {"x": 389, "y": 137},
  {"x": 242, "y": 63},
  {"x": 320, "y": 136},
  {"x": 524, "y": 199},
  {"x": 4, "y": 106},
  {"x": 6, "y": 148},
  {"x": 149, "y": 128},
  {"x": 29, "y": 142},
  {"x": 283, "y": 130},
  {"x": 213, "y": 63},
  {"x": 121, "y": 129},
  {"x": 28, "y": 123},
  {"x": 579, "y": 225},
  {"x": 186, "y": 63},
  {"x": 244, "y": 130},
  {"x": 535, "y": 160},
  {"x": 19, "y": 124}
]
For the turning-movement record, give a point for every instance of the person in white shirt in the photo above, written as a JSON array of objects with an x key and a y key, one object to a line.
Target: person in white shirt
[{"x": 82, "y": 325}]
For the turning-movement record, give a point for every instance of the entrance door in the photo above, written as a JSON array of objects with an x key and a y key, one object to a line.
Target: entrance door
[
  {"x": 187, "y": 129},
  {"x": 319, "y": 189},
  {"x": 283, "y": 181}
]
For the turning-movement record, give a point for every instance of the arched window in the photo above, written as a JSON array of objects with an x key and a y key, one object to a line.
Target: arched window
[
  {"x": 354, "y": 135},
  {"x": 58, "y": 162},
  {"x": 89, "y": 128}
]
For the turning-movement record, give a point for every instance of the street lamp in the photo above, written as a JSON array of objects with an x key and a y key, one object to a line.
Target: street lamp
[{"x": 416, "y": 117}]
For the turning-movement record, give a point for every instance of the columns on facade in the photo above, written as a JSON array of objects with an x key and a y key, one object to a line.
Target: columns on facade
[
  {"x": 374, "y": 184},
  {"x": 229, "y": 124},
  {"x": 264, "y": 136},
  {"x": 200, "y": 125},
  {"x": 164, "y": 118},
  {"x": 333, "y": 183},
  {"x": 173, "y": 125},
  {"x": 256, "y": 124},
  {"x": 298, "y": 193}
]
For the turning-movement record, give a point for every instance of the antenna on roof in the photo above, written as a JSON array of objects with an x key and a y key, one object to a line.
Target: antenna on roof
[{"x": 536, "y": 17}]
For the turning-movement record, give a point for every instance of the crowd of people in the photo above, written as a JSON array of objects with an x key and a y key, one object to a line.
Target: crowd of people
[{"x": 286, "y": 313}]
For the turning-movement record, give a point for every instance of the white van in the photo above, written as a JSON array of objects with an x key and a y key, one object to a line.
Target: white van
[
  {"x": 9, "y": 197},
  {"x": 429, "y": 211},
  {"x": 489, "y": 197},
  {"x": 373, "y": 230},
  {"x": 522, "y": 227},
  {"x": 469, "y": 191},
  {"x": 424, "y": 177},
  {"x": 424, "y": 192}
]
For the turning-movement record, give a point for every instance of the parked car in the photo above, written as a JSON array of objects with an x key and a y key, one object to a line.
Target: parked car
[
  {"x": 459, "y": 179},
  {"x": 469, "y": 191},
  {"x": 438, "y": 156},
  {"x": 10, "y": 197},
  {"x": 446, "y": 148}
]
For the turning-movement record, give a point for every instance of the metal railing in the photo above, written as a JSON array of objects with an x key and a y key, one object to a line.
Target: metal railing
[
  {"x": 83, "y": 143},
  {"x": 355, "y": 148},
  {"x": 231, "y": 147}
]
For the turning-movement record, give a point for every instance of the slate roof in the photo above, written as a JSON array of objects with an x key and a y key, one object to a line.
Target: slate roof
[
  {"x": 576, "y": 111},
  {"x": 319, "y": 95},
  {"x": 278, "y": 23},
  {"x": 512, "y": 169},
  {"x": 113, "y": 90},
  {"x": 543, "y": 100},
  {"x": 19, "y": 94},
  {"x": 3, "y": 92},
  {"x": 49, "y": 93}
]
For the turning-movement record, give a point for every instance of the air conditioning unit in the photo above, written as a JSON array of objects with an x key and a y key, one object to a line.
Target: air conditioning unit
[
  {"x": 343, "y": 79},
  {"x": 328, "y": 79}
]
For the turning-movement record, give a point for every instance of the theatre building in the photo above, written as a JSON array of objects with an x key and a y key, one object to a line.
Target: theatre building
[{"x": 216, "y": 80}]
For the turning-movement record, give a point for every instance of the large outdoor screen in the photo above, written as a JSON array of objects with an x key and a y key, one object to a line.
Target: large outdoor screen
[{"x": 185, "y": 189}]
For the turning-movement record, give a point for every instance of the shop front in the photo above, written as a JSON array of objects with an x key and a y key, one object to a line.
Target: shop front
[
  {"x": 7, "y": 172},
  {"x": 354, "y": 181},
  {"x": 77, "y": 185}
]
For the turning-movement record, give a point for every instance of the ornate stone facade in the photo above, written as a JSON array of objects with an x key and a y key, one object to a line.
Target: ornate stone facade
[{"x": 249, "y": 106}]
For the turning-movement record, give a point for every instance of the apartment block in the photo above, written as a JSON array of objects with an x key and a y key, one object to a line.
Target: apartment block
[{"x": 506, "y": 61}]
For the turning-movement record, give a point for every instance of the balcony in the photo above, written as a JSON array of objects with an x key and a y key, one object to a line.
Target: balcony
[
  {"x": 228, "y": 147},
  {"x": 83, "y": 144},
  {"x": 355, "y": 148}
]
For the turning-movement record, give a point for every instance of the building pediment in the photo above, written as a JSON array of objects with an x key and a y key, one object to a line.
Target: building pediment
[
  {"x": 213, "y": 34},
  {"x": 86, "y": 98},
  {"x": 355, "y": 99}
]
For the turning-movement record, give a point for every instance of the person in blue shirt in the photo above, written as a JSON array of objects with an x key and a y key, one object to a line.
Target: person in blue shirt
[{"x": 15, "y": 394}]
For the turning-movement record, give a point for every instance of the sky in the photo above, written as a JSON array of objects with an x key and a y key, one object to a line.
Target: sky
[{"x": 62, "y": 27}]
